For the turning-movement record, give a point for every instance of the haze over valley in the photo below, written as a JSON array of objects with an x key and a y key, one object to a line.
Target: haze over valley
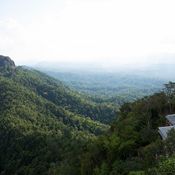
[{"x": 87, "y": 87}]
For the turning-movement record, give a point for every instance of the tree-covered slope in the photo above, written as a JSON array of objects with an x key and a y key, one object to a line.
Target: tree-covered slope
[
  {"x": 133, "y": 144},
  {"x": 41, "y": 133},
  {"x": 21, "y": 101},
  {"x": 46, "y": 128},
  {"x": 56, "y": 92}
]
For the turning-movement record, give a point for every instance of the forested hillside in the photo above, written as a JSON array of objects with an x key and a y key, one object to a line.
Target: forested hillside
[
  {"x": 133, "y": 145},
  {"x": 43, "y": 124},
  {"x": 49, "y": 129},
  {"x": 55, "y": 91}
]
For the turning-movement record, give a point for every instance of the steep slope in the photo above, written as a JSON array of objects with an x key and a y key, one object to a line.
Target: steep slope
[
  {"x": 133, "y": 144},
  {"x": 7, "y": 66},
  {"x": 55, "y": 91},
  {"x": 15, "y": 97},
  {"x": 36, "y": 134},
  {"x": 39, "y": 130}
]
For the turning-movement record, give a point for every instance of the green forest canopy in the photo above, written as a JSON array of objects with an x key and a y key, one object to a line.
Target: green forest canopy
[{"x": 46, "y": 128}]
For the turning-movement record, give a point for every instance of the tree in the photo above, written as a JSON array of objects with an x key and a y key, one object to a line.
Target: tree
[{"x": 170, "y": 93}]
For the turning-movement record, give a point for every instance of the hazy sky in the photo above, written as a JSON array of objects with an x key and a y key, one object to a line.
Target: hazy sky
[{"x": 121, "y": 31}]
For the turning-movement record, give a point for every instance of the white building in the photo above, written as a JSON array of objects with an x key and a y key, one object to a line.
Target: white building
[{"x": 163, "y": 131}]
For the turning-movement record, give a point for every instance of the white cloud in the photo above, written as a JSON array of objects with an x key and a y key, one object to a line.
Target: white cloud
[
  {"x": 10, "y": 35},
  {"x": 124, "y": 31}
]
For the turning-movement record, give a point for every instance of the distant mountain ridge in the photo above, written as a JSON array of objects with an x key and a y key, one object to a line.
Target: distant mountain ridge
[{"x": 114, "y": 87}]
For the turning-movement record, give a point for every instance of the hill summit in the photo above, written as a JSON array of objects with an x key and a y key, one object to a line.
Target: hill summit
[{"x": 6, "y": 61}]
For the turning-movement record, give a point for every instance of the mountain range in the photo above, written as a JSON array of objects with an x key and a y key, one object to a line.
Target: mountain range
[
  {"x": 50, "y": 128},
  {"x": 42, "y": 119}
]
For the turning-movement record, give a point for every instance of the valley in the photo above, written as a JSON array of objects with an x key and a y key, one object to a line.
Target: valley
[
  {"x": 87, "y": 87},
  {"x": 52, "y": 126},
  {"x": 116, "y": 87}
]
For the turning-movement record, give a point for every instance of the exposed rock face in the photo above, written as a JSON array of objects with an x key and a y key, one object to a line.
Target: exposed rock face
[{"x": 6, "y": 62}]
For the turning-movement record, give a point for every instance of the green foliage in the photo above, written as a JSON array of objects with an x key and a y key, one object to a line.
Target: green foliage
[
  {"x": 42, "y": 126},
  {"x": 56, "y": 92},
  {"x": 166, "y": 160},
  {"x": 133, "y": 144},
  {"x": 47, "y": 128},
  {"x": 137, "y": 173},
  {"x": 167, "y": 167}
]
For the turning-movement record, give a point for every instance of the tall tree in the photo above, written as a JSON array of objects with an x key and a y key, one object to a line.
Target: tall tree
[{"x": 170, "y": 93}]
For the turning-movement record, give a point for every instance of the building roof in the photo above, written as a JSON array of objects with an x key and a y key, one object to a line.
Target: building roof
[
  {"x": 171, "y": 118},
  {"x": 163, "y": 131}
]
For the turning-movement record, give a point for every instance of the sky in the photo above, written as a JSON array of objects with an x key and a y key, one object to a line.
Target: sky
[{"x": 115, "y": 31}]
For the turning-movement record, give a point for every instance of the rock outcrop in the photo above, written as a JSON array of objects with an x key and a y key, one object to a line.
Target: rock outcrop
[{"x": 6, "y": 61}]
